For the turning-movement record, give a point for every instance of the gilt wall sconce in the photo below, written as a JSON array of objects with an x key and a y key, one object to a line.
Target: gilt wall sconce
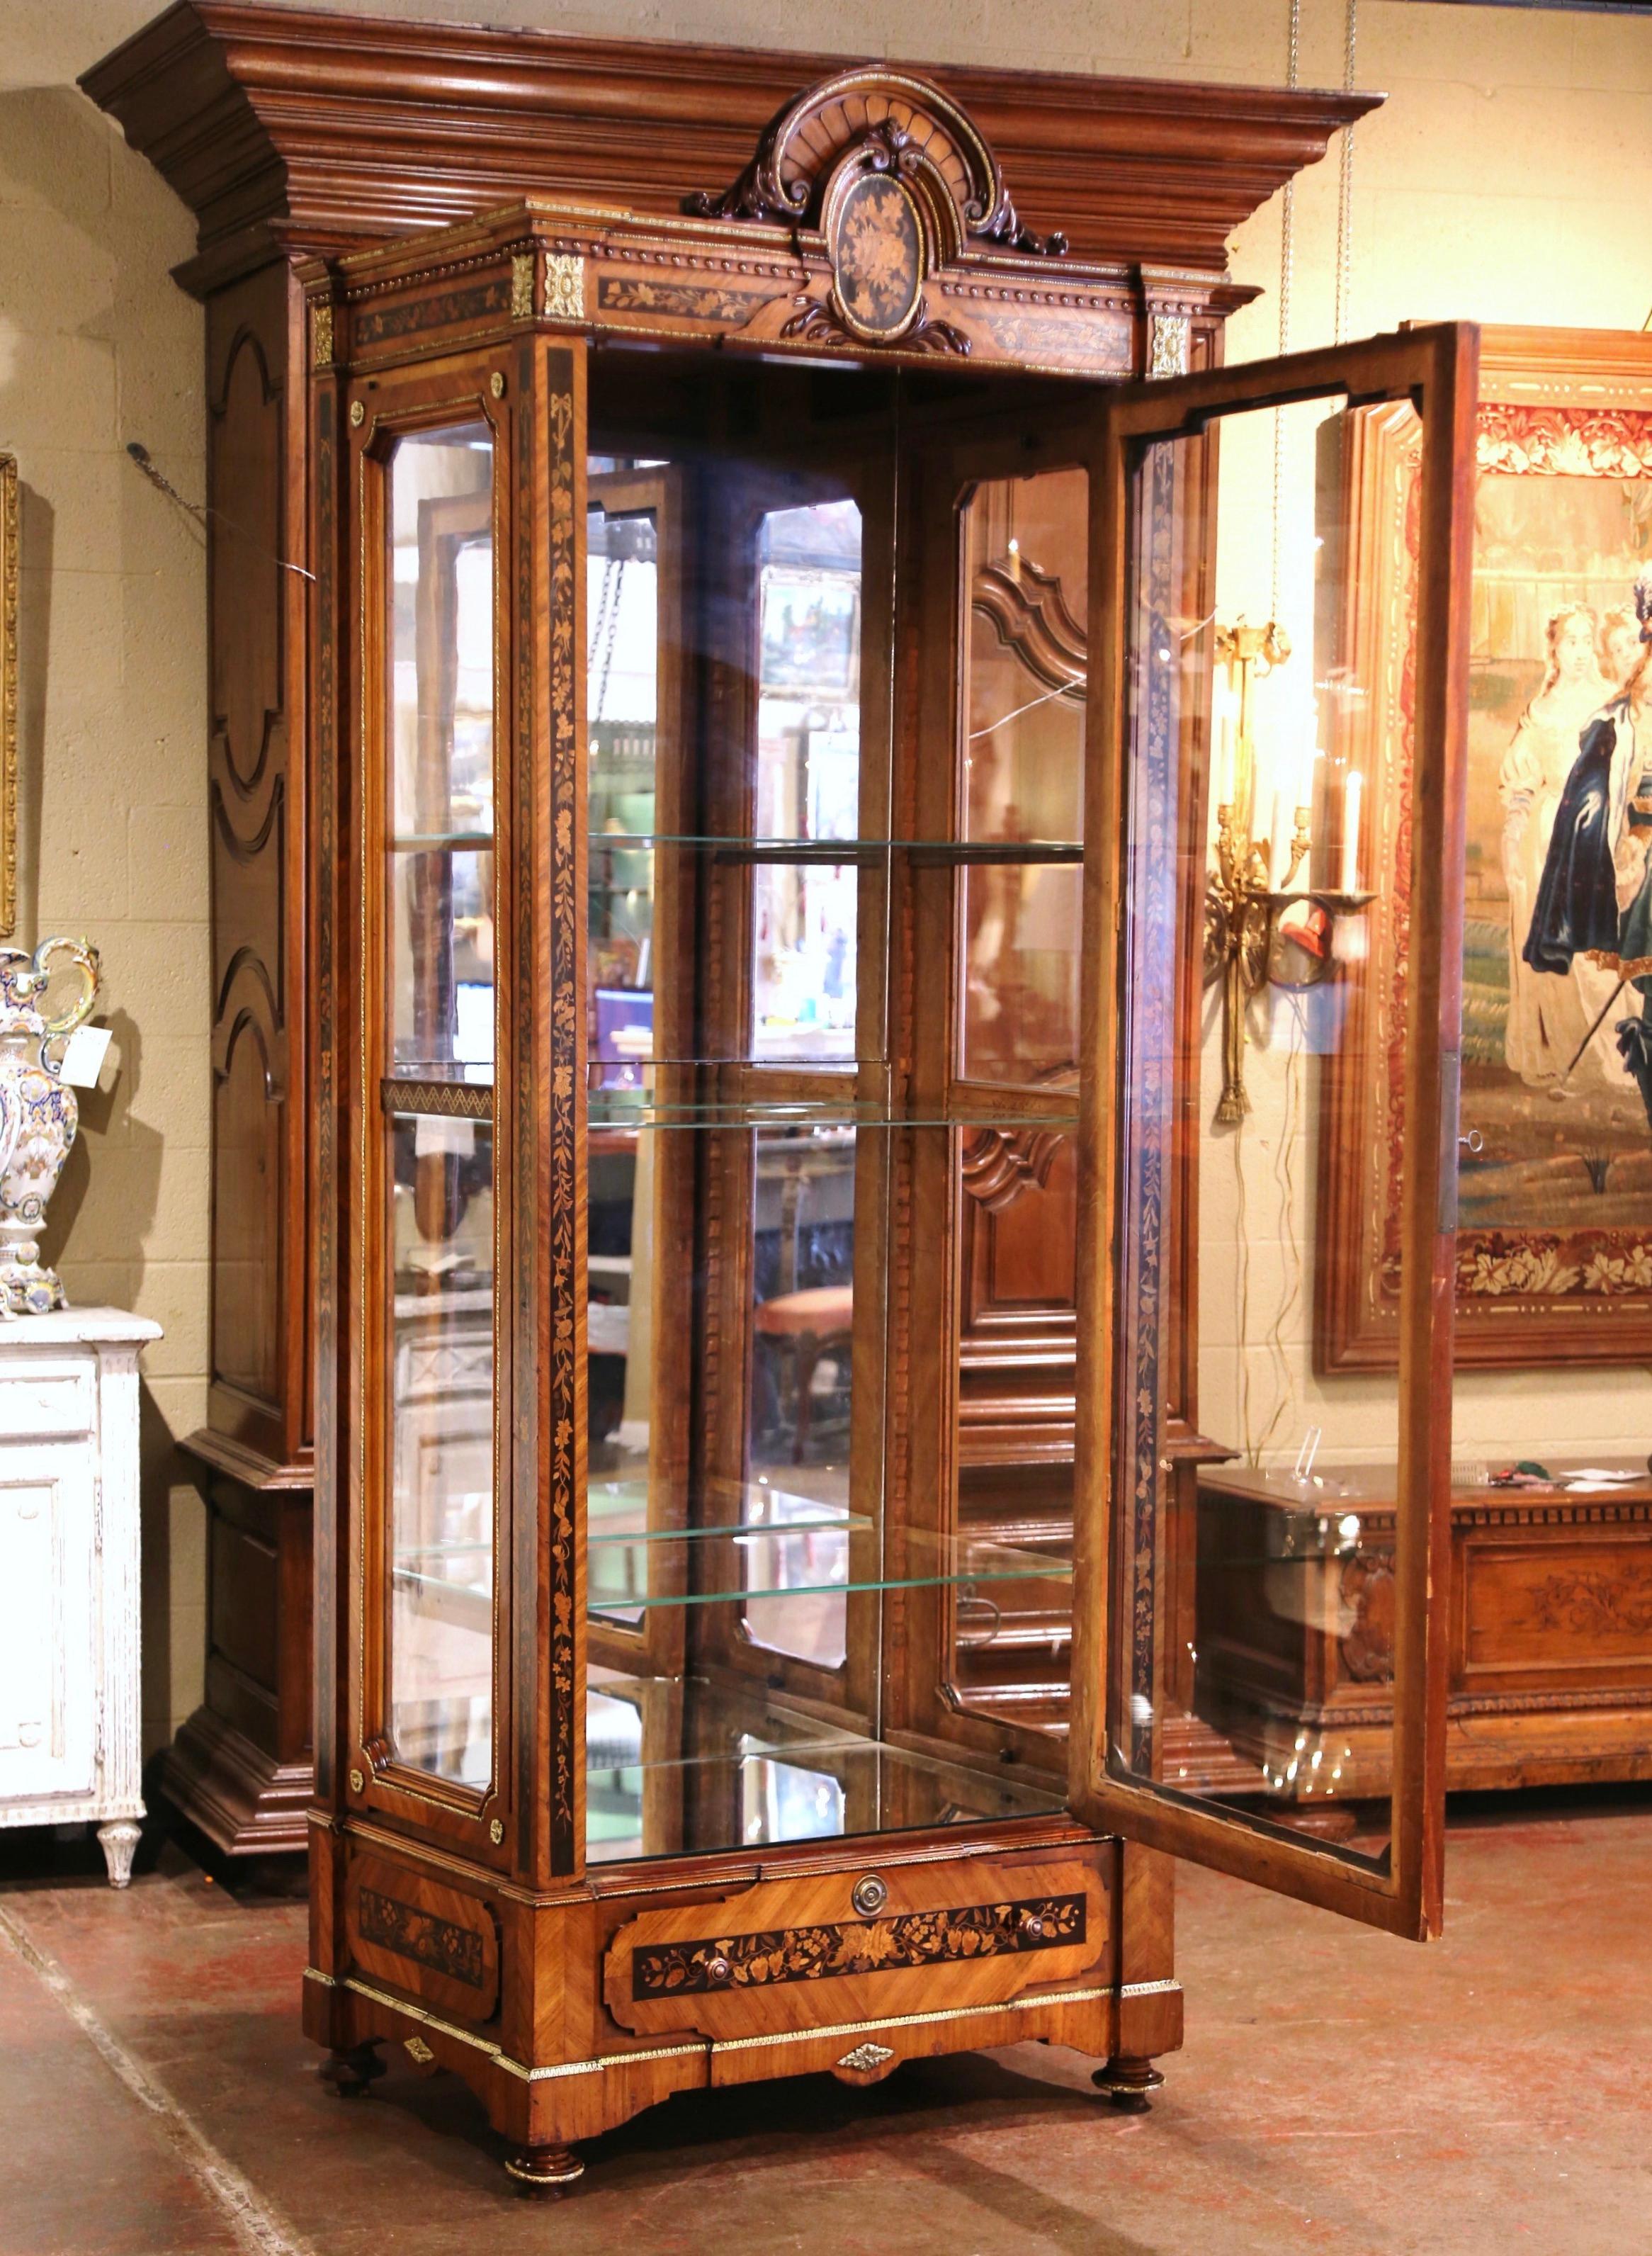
[{"x": 1261, "y": 925}]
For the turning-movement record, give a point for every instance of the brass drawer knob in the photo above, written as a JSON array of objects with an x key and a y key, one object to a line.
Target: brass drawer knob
[
  {"x": 869, "y": 1895},
  {"x": 1031, "y": 1925},
  {"x": 718, "y": 1970}
]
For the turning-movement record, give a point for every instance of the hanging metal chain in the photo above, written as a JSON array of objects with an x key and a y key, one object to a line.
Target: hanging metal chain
[
  {"x": 1287, "y": 269},
  {"x": 1345, "y": 182}
]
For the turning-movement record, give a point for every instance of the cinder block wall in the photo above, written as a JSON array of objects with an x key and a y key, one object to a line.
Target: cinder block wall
[{"x": 98, "y": 347}]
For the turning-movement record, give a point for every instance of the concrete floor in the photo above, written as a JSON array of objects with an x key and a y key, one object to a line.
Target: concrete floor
[{"x": 1339, "y": 2090}]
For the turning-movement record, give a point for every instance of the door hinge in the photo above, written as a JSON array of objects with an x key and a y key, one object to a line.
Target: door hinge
[{"x": 97, "y": 1514}]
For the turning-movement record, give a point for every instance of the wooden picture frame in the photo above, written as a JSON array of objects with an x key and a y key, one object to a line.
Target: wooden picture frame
[
  {"x": 1562, "y": 526},
  {"x": 9, "y": 569}
]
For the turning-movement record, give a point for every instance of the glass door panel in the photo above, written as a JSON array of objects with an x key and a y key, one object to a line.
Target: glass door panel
[{"x": 1336, "y": 616}]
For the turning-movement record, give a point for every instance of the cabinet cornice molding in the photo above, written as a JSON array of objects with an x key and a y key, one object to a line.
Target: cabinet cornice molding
[{"x": 289, "y": 130}]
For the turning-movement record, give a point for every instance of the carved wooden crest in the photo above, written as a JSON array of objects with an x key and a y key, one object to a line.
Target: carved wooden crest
[{"x": 892, "y": 174}]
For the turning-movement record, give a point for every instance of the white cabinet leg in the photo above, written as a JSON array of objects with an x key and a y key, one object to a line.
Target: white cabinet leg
[{"x": 117, "y": 1840}]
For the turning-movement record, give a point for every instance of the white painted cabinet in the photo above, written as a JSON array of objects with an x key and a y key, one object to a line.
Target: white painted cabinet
[{"x": 69, "y": 1645}]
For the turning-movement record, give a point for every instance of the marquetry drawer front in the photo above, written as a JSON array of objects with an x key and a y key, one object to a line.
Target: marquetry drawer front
[
  {"x": 873, "y": 1941},
  {"x": 47, "y": 1401},
  {"x": 415, "y": 1935}
]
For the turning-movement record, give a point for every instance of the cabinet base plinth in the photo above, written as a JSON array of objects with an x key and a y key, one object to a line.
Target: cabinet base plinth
[
  {"x": 1126, "y": 2082},
  {"x": 542, "y": 2172},
  {"x": 246, "y": 1802}
]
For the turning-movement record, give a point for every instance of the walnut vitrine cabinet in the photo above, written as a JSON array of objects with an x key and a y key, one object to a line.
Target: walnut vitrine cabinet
[
  {"x": 290, "y": 136},
  {"x": 761, "y": 724}
]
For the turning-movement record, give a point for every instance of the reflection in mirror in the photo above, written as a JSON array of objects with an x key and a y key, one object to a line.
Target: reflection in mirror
[
  {"x": 808, "y": 782},
  {"x": 1254, "y": 1636},
  {"x": 1025, "y": 668},
  {"x": 802, "y": 1326},
  {"x": 1013, "y": 1417}
]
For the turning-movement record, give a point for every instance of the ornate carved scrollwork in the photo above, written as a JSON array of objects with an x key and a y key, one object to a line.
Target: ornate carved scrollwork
[
  {"x": 1029, "y": 609},
  {"x": 907, "y": 126},
  {"x": 1000, "y": 1163},
  {"x": 813, "y": 322},
  {"x": 894, "y": 176}
]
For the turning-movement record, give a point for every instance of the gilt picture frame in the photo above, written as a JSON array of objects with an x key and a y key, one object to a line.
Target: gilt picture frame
[
  {"x": 1554, "y": 1177},
  {"x": 9, "y": 570}
]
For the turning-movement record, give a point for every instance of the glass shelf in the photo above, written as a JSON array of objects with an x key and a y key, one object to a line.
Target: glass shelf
[
  {"x": 770, "y": 1776},
  {"x": 628, "y": 1107},
  {"x": 637, "y": 1569},
  {"x": 808, "y": 1558},
  {"x": 837, "y": 853}
]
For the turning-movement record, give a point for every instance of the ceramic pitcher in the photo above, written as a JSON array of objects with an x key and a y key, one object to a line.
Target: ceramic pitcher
[{"x": 38, "y": 1114}]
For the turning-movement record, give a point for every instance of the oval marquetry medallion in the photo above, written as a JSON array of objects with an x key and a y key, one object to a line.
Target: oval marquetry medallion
[{"x": 877, "y": 254}]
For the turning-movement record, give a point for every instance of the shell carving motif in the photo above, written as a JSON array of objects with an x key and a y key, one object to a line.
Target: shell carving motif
[{"x": 901, "y": 122}]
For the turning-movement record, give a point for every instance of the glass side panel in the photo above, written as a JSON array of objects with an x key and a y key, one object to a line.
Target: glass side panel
[
  {"x": 439, "y": 789},
  {"x": 441, "y": 964},
  {"x": 440, "y": 1224},
  {"x": 1290, "y": 685},
  {"x": 1026, "y": 564}
]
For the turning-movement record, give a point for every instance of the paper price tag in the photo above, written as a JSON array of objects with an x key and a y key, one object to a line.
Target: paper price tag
[
  {"x": 431, "y": 1134},
  {"x": 83, "y": 1056}
]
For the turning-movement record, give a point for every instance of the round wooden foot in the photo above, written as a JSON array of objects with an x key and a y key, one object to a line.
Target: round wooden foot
[
  {"x": 351, "y": 2070},
  {"x": 544, "y": 2172},
  {"x": 1126, "y": 2082}
]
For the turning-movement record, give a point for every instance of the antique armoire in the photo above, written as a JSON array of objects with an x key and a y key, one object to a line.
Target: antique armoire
[{"x": 292, "y": 134}]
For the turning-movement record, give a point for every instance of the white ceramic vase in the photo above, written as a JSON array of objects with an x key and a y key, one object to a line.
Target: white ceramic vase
[{"x": 39, "y": 1113}]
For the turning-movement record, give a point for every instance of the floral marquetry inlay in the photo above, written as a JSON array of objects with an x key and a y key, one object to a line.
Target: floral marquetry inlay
[
  {"x": 877, "y": 252},
  {"x": 812, "y": 1954},
  {"x": 441, "y": 1944}
]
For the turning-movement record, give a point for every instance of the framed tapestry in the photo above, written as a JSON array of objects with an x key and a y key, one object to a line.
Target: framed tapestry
[
  {"x": 8, "y": 694},
  {"x": 1555, "y": 1164}
]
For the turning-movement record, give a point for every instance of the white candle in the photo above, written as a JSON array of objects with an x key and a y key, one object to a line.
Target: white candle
[
  {"x": 1222, "y": 714},
  {"x": 1350, "y": 793},
  {"x": 1310, "y": 753},
  {"x": 1279, "y": 839}
]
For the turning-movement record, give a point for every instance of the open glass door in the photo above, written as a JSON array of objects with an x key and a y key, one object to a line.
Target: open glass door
[{"x": 1332, "y": 491}]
